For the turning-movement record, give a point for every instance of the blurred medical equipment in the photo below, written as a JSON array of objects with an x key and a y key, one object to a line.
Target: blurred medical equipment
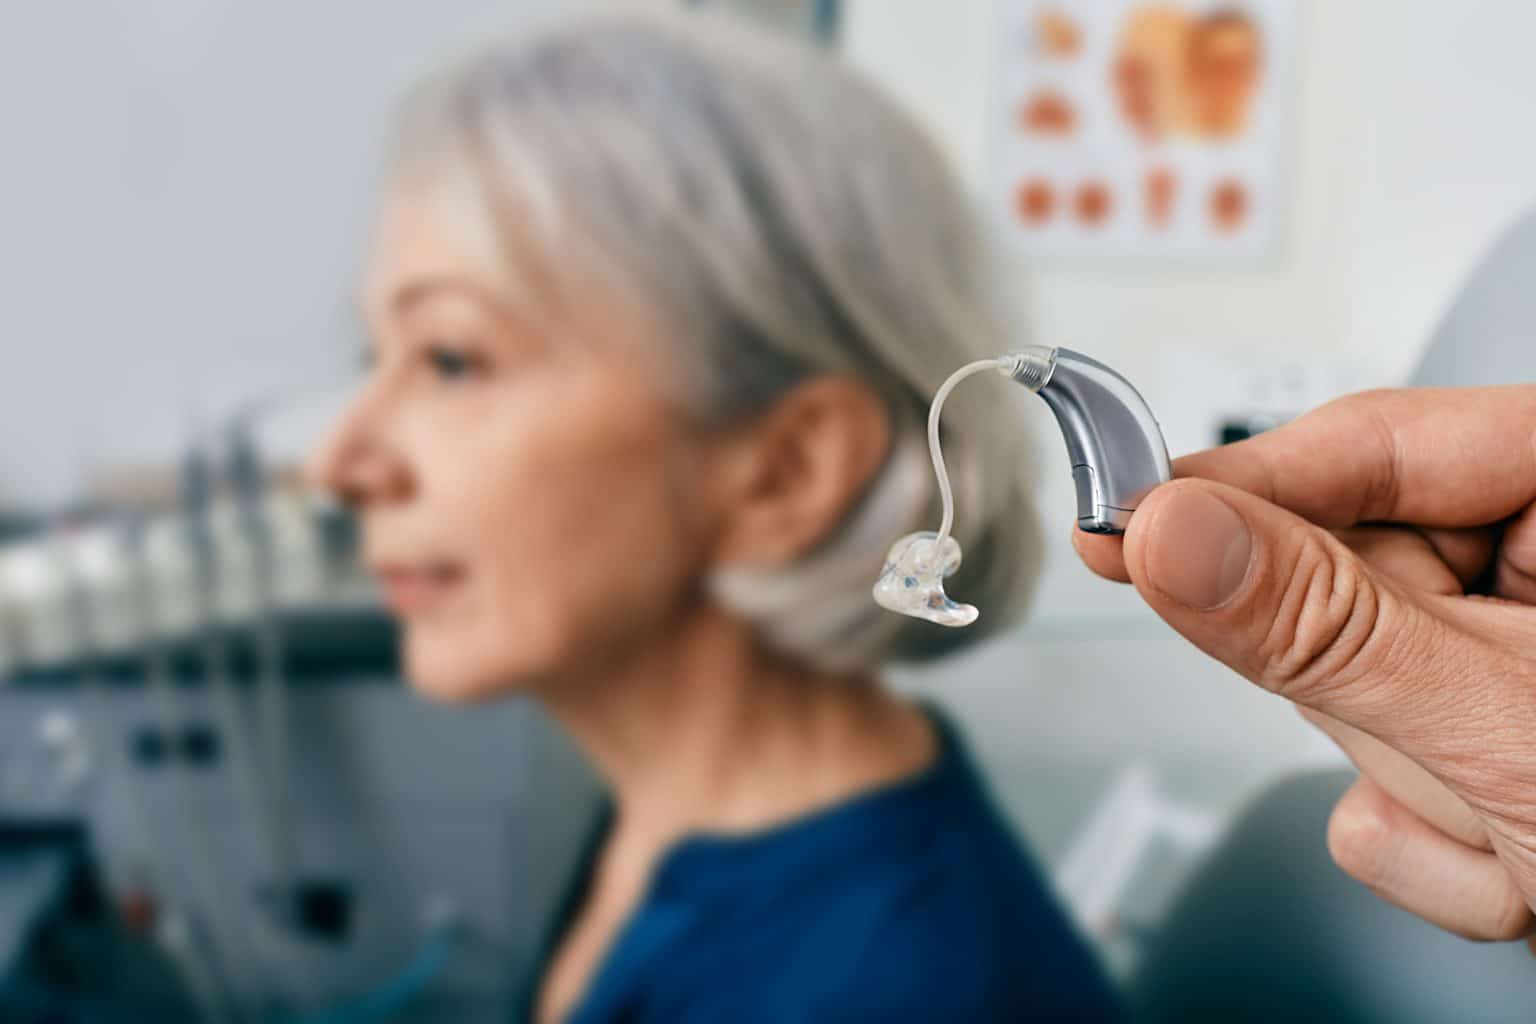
[
  {"x": 202, "y": 686},
  {"x": 1117, "y": 452},
  {"x": 1101, "y": 862}
]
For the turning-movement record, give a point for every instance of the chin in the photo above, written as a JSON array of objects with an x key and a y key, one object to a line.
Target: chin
[{"x": 450, "y": 672}]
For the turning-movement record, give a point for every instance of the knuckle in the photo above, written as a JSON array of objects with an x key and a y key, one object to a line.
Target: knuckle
[
  {"x": 1368, "y": 415},
  {"x": 1327, "y": 626},
  {"x": 1508, "y": 919},
  {"x": 1360, "y": 837}
]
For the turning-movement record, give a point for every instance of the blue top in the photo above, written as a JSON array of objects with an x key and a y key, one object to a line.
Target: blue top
[{"x": 912, "y": 902}]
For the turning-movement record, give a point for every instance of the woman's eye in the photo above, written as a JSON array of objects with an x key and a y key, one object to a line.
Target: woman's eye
[{"x": 452, "y": 363}]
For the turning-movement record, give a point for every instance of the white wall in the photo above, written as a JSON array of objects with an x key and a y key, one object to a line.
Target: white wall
[{"x": 1446, "y": 157}]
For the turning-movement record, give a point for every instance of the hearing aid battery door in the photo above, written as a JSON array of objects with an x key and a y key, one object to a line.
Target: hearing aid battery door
[{"x": 1093, "y": 516}]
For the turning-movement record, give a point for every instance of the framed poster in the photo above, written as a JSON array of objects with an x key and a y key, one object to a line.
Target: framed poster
[{"x": 1137, "y": 133}]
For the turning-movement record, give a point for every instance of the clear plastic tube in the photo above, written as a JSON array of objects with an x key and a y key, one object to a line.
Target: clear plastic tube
[
  {"x": 946, "y": 494},
  {"x": 912, "y": 580}
]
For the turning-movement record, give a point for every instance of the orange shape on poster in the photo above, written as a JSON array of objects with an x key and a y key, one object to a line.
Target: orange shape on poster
[
  {"x": 1229, "y": 205},
  {"x": 1048, "y": 113},
  {"x": 1035, "y": 201},
  {"x": 1179, "y": 75},
  {"x": 1094, "y": 203},
  {"x": 1222, "y": 68},
  {"x": 1058, "y": 35}
]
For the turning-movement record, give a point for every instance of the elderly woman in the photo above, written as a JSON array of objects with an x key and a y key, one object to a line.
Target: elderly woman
[{"x": 656, "y": 309}]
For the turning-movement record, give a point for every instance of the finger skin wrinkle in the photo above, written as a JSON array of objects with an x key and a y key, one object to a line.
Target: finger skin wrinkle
[
  {"x": 1499, "y": 786},
  {"x": 1329, "y": 622},
  {"x": 1279, "y": 642},
  {"x": 1380, "y": 495}
]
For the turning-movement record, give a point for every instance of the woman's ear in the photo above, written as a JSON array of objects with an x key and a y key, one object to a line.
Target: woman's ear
[{"x": 798, "y": 470}]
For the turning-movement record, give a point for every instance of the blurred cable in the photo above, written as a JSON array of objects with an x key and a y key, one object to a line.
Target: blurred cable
[{"x": 395, "y": 995}]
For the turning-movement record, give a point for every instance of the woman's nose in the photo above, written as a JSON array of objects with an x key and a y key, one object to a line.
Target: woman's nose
[{"x": 355, "y": 462}]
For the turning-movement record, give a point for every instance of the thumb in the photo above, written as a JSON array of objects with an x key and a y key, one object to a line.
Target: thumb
[{"x": 1290, "y": 607}]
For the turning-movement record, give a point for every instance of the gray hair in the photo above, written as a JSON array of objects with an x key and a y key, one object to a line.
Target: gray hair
[{"x": 784, "y": 218}]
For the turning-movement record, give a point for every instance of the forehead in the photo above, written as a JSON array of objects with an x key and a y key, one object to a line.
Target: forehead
[
  {"x": 423, "y": 234},
  {"x": 435, "y": 234}
]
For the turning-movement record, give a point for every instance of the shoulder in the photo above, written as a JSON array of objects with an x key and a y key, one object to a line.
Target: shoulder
[
  {"x": 958, "y": 927},
  {"x": 949, "y": 946},
  {"x": 962, "y": 924}
]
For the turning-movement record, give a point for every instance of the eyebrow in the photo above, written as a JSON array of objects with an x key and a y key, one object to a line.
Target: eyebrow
[
  {"x": 501, "y": 307},
  {"x": 400, "y": 302},
  {"x": 414, "y": 292}
]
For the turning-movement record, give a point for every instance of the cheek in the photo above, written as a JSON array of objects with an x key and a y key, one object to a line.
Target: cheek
[
  {"x": 593, "y": 548},
  {"x": 575, "y": 530}
]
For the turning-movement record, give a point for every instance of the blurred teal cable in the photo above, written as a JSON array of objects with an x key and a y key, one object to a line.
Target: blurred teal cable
[{"x": 392, "y": 996}]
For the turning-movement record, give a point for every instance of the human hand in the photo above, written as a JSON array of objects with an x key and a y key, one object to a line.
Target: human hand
[{"x": 1375, "y": 563}]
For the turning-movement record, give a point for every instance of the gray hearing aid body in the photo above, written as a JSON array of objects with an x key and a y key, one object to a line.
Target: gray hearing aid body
[{"x": 1116, "y": 446}]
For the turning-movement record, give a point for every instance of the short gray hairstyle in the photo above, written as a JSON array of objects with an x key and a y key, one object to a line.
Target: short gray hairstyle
[{"x": 785, "y": 218}]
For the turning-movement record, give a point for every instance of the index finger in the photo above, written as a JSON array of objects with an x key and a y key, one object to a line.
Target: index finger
[
  {"x": 1444, "y": 457},
  {"x": 1431, "y": 457}
]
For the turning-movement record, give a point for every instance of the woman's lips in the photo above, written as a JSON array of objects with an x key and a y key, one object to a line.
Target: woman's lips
[{"x": 411, "y": 591}]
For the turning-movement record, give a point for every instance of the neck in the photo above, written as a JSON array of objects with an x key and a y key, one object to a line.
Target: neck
[{"x": 705, "y": 732}]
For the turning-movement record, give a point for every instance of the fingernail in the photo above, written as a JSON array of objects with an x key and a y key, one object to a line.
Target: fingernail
[{"x": 1199, "y": 551}]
